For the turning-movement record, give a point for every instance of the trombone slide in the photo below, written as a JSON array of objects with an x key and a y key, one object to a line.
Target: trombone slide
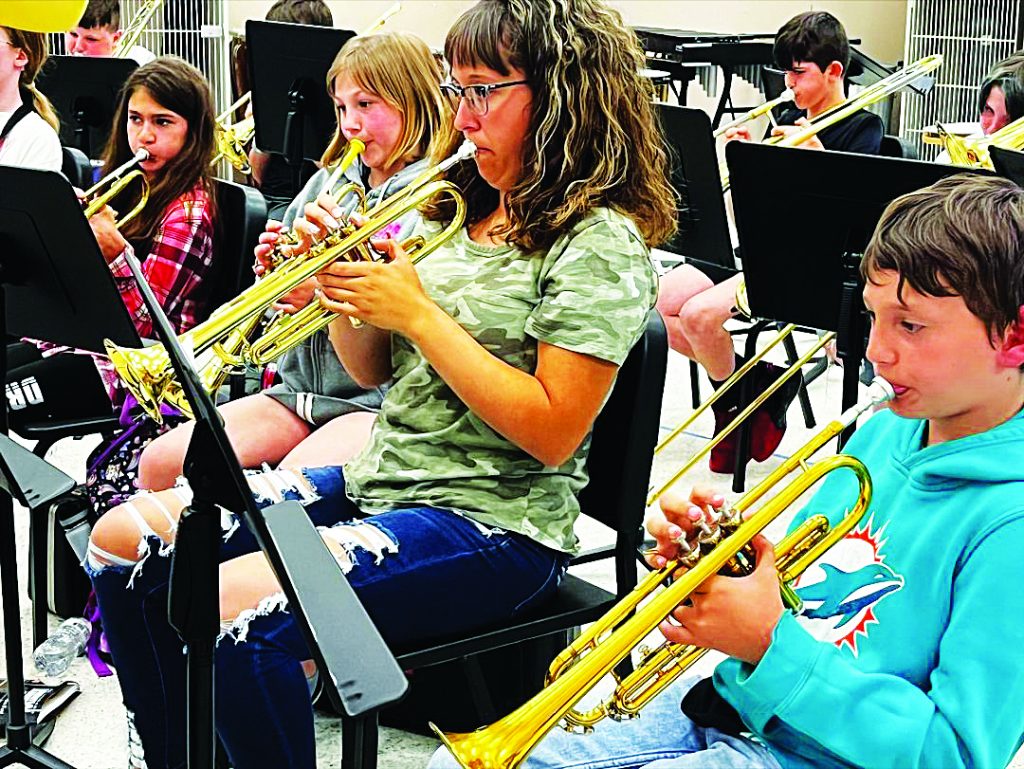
[{"x": 756, "y": 112}]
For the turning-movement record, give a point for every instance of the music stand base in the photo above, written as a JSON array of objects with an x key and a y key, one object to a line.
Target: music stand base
[{"x": 33, "y": 757}]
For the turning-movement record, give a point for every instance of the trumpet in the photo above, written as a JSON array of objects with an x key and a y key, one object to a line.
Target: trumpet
[
  {"x": 233, "y": 139},
  {"x": 97, "y": 197},
  {"x": 973, "y": 152},
  {"x": 756, "y": 112},
  {"x": 147, "y": 373},
  {"x": 872, "y": 94},
  {"x": 216, "y": 363},
  {"x": 723, "y": 547}
]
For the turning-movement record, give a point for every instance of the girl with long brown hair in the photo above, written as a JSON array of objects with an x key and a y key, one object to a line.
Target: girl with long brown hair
[{"x": 165, "y": 107}]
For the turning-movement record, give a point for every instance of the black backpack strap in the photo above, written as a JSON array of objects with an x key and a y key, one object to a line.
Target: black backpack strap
[
  {"x": 19, "y": 113},
  {"x": 24, "y": 109}
]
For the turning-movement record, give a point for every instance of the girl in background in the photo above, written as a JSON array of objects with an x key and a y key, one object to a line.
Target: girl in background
[
  {"x": 28, "y": 124},
  {"x": 165, "y": 108}
]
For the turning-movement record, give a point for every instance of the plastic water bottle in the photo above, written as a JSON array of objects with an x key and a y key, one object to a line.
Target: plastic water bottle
[{"x": 54, "y": 655}]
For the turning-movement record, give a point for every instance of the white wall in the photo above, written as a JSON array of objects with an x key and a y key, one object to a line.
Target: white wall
[{"x": 879, "y": 23}]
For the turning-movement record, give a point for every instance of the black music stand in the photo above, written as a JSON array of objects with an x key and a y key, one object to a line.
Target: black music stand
[
  {"x": 703, "y": 234},
  {"x": 54, "y": 285},
  {"x": 84, "y": 91},
  {"x": 58, "y": 288},
  {"x": 288, "y": 65},
  {"x": 330, "y": 616},
  {"x": 1008, "y": 163},
  {"x": 804, "y": 219}
]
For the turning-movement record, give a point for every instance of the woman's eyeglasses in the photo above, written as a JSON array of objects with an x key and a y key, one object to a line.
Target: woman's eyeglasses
[{"x": 475, "y": 95}]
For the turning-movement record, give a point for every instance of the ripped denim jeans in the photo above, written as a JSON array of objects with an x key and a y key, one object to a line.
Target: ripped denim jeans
[{"x": 420, "y": 572}]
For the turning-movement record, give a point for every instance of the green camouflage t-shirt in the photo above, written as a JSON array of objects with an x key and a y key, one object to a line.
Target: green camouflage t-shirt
[{"x": 590, "y": 293}]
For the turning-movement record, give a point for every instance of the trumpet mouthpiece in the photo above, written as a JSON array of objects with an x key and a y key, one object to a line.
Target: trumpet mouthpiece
[
  {"x": 880, "y": 391},
  {"x": 141, "y": 155},
  {"x": 785, "y": 96},
  {"x": 465, "y": 151}
]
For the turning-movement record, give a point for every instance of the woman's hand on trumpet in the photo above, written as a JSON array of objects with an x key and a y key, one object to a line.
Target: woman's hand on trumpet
[
  {"x": 734, "y": 615},
  {"x": 386, "y": 294}
]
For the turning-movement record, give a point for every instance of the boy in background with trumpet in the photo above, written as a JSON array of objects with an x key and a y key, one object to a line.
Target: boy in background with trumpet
[
  {"x": 813, "y": 50},
  {"x": 907, "y": 652}
]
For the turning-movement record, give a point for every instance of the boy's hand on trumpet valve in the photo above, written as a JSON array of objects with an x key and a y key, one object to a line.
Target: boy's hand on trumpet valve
[
  {"x": 677, "y": 521},
  {"x": 734, "y": 615},
  {"x": 386, "y": 294}
]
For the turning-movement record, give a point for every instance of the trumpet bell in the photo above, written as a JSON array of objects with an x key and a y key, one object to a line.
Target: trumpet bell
[{"x": 146, "y": 374}]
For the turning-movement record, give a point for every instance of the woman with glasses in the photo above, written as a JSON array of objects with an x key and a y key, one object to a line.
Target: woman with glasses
[
  {"x": 28, "y": 124},
  {"x": 501, "y": 347}
]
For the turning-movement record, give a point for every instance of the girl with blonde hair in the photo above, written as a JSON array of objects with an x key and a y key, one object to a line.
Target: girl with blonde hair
[
  {"x": 385, "y": 87},
  {"x": 28, "y": 124}
]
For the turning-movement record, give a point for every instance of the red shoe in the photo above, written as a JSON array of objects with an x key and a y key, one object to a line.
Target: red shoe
[
  {"x": 765, "y": 435},
  {"x": 723, "y": 456}
]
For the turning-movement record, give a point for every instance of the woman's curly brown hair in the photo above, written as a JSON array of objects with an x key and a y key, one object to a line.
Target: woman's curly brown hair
[{"x": 594, "y": 139}]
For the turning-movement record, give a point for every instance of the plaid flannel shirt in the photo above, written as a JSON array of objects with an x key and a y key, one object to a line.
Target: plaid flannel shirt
[{"x": 178, "y": 260}]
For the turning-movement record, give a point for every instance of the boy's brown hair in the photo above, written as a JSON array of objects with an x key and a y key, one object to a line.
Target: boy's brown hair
[
  {"x": 962, "y": 236},
  {"x": 815, "y": 36},
  {"x": 312, "y": 12},
  {"x": 102, "y": 13}
]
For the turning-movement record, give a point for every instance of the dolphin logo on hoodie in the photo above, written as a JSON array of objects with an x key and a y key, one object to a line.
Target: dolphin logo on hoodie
[
  {"x": 845, "y": 594},
  {"x": 841, "y": 592}
]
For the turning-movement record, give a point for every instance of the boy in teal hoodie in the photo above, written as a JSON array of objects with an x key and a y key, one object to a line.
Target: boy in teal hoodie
[{"x": 910, "y": 648}]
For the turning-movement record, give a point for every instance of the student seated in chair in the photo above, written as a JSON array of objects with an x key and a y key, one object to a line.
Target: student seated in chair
[
  {"x": 1000, "y": 98},
  {"x": 813, "y": 50},
  {"x": 907, "y": 652}
]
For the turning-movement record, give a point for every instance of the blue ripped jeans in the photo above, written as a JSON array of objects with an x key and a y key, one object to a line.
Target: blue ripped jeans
[
  {"x": 421, "y": 572},
  {"x": 661, "y": 738}
]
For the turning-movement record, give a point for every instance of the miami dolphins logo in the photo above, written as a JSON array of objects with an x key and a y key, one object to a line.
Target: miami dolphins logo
[{"x": 848, "y": 583}]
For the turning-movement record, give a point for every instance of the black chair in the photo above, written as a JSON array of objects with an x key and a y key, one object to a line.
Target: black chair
[
  {"x": 76, "y": 167},
  {"x": 619, "y": 466},
  {"x": 242, "y": 216},
  {"x": 897, "y": 147}
]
